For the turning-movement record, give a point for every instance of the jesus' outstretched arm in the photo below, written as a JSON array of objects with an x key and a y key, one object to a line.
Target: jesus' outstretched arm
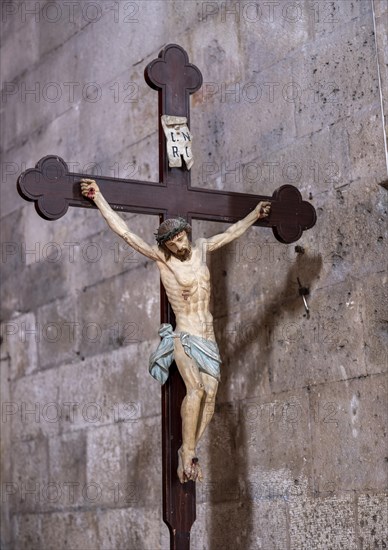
[
  {"x": 262, "y": 210},
  {"x": 91, "y": 190}
]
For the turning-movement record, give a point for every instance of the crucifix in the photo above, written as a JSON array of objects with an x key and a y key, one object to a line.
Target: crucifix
[{"x": 53, "y": 189}]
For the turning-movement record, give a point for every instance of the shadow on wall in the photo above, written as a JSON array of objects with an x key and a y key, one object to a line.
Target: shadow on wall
[{"x": 232, "y": 522}]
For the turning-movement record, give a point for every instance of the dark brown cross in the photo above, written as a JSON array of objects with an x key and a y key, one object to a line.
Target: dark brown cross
[{"x": 53, "y": 189}]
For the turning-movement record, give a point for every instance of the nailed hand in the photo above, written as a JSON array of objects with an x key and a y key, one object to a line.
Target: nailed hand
[{"x": 89, "y": 188}]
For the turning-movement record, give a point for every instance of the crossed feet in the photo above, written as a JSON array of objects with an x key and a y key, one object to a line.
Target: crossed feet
[{"x": 188, "y": 466}]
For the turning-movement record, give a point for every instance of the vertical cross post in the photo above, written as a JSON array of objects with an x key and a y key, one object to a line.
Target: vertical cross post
[{"x": 175, "y": 79}]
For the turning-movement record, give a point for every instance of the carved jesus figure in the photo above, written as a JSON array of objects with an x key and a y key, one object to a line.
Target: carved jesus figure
[{"x": 186, "y": 279}]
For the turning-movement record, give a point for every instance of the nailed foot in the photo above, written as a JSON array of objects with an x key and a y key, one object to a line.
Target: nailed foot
[{"x": 188, "y": 467}]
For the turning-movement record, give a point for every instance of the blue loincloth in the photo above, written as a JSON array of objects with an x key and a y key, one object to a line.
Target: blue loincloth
[{"x": 204, "y": 352}]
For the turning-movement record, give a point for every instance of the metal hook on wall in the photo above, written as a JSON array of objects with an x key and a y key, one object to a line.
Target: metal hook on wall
[{"x": 304, "y": 291}]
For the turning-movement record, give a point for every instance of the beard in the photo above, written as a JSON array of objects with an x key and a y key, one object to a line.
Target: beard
[{"x": 183, "y": 254}]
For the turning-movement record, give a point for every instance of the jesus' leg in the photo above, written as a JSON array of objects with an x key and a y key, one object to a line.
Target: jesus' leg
[
  {"x": 190, "y": 411},
  {"x": 208, "y": 404}
]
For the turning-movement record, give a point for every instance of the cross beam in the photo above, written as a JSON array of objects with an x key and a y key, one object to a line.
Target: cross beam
[{"x": 53, "y": 189}]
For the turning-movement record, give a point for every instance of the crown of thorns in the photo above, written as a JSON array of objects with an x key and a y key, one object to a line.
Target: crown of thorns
[{"x": 163, "y": 234}]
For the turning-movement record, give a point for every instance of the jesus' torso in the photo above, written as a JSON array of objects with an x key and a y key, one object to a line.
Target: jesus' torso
[{"x": 187, "y": 285}]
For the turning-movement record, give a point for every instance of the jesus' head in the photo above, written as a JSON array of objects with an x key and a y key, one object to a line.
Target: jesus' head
[{"x": 173, "y": 238}]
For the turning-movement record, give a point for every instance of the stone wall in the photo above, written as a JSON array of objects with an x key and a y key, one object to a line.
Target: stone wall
[{"x": 296, "y": 455}]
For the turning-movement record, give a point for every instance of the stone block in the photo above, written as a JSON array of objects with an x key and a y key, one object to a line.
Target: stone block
[
  {"x": 52, "y": 284},
  {"x": 54, "y": 528},
  {"x": 116, "y": 318},
  {"x": 67, "y": 467},
  {"x": 372, "y": 511},
  {"x": 330, "y": 85},
  {"x": 50, "y": 91},
  {"x": 263, "y": 444},
  {"x": 260, "y": 525},
  {"x": 380, "y": 7},
  {"x": 15, "y": 14},
  {"x": 58, "y": 23},
  {"x": 130, "y": 529},
  {"x": 35, "y": 410},
  {"x": 59, "y": 338},
  {"x": 366, "y": 141},
  {"x": 103, "y": 464},
  {"x": 218, "y": 61},
  {"x": 6, "y": 460},
  {"x": 21, "y": 337},
  {"x": 314, "y": 163},
  {"x": 74, "y": 530},
  {"x": 322, "y": 523},
  {"x": 13, "y": 304},
  {"x": 11, "y": 235},
  {"x": 244, "y": 350},
  {"x": 348, "y": 446},
  {"x": 27, "y": 531},
  {"x": 274, "y": 439},
  {"x": 262, "y": 34},
  {"x": 255, "y": 255},
  {"x": 70, "y": 234},
  {"x": 374, "y": 308},
  {"x": 139, "y": 160},
  {"x": 30, "y": 475},
  {"x": 179, "y": 17},
  {"x": 19, "y": 51},
  {"x": 349, "y": 233},
  {"x": 11, "y": 166},
  {"x": 33, "y": 105},
  {"x": 328, "y": 346},
  {"x": 124, "y": 113},
  {"x": 141, "y": 466},
  {"x": 332, "y": 17},
  {"x": 110, "y": 388},
  {"x": 31, "y": 102},
  {"x": 381, "y": 14},
  {"x": 108, "y": 35},
  {"x": 37, "y": 243},
  {"x": 59, "y": 136}
]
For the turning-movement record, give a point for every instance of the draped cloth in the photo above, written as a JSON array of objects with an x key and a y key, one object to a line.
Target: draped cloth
[{"x": 204, "y": 352}]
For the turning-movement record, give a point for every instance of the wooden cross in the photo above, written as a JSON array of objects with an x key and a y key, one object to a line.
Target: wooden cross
[{"x": 53, "y": 189}]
